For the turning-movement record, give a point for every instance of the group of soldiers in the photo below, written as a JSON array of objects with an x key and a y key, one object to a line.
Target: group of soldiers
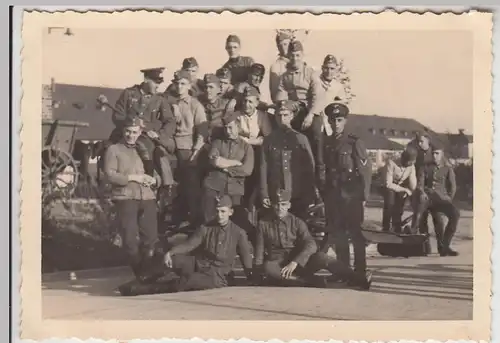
[{"x": 245, "y": 178}]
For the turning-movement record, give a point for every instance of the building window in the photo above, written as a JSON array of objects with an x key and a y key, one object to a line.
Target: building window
[
  {"x": 405, "y": 133},
  {"x": 372, "y": 131},
  {"x": 382, "y": 132},
  {"x": 393, "y": 132}
]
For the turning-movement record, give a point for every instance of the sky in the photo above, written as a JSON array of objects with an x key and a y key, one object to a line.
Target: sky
[{"x": 425, "y": 75}]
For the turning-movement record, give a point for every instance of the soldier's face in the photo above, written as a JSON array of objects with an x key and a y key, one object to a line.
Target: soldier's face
[
  {"x": 255, "y": 79},
  {"x": 152, "y": 86},
  {"x": 284, "y": 117},
  {"x": 338, "y": 124},
  {"x": 131, "y": 133},
  {"x": 423, "y": 143},
  {"x": 212, "y": 90},
  {"x": 437, "y": 155},
  {"x": 193, "y": 71},
  {"x": 233, "y": 49},
  {"x": 283, "y": 47},
  {"x": 281, "y": 208},
  {"x": 250, "y": 104},
  {"x": 225, "y": 84},
  {"x": 329, "y": 71},
  {"x": 232, "y": 130},
  {"x": 223, "y": 215},
  {"x": 296, "y": 57},
  {"x": 183, "y": 86}
]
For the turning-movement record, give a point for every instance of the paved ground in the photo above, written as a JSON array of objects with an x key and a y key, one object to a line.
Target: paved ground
[{"x": 427, "y": 288}]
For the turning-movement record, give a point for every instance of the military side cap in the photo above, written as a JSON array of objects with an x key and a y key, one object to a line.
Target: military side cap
[
  {"x": 229, "y": 117},
  {"x": 233, "y": 39},
  {"x": 287, "y": 105},
  {"x": 296, "y": 46},
  {"x": 336, "y": 110},
  {"x": 251, "y": 91},
  {"x": 155, "y": 74},
  {"x": 329, "y": 59},
  {"x": 133, "y": 121},
  {"x": 189, "y": 62},
  {"x": 284, "y": 195},
  {"x": 210, "y": 78},
  {"x": 257, "y": 69},
  {"x": 182, "y": 74},
  {"x": 283, "y": 35},
  {"x": 224, "y": 201},
  {"x": 438, "y": 145},
  {"x": 223, "y": 73}
]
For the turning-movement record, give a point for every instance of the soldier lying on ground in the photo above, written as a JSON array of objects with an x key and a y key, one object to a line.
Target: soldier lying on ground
[
  {"x": 286, "y": 252},
  {"x": 214, "y": 247}
]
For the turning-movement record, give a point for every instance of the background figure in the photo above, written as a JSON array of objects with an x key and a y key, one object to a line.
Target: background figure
[
  {"x": 255, "y": 77},
  {"x": 346, "y": 187},
  {"x": 278, "y": 68},
  {"x": 226, "y": 87},
  {"x": 237, "y": 64},
  {"x": 437, "y": 188},
  {"x": 399, "y": 184},
  {"x": 191, "y": 66}
]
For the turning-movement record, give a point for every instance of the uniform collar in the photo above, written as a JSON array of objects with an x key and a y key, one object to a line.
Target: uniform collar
[
  {"x": 186, "y": 99},
  {"x": 234, "y": 59},
  {"x": 291, "y": 68},
  {"x": 128, "y": 146}
]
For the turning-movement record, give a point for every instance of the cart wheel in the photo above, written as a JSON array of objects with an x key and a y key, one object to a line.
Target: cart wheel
[{"x": 59, "y": 173}]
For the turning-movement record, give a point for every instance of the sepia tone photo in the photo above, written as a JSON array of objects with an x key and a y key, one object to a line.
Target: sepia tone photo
[{"x": 253, "y": 176}]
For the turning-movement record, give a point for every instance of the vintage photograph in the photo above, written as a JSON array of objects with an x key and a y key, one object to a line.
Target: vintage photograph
[{"x": 273, "y": 173}]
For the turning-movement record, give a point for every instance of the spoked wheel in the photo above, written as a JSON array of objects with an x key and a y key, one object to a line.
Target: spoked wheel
[{"x": 59, "y": 174}]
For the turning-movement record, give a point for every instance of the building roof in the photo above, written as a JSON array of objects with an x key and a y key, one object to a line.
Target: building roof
[{"x": 79, "y": 103}]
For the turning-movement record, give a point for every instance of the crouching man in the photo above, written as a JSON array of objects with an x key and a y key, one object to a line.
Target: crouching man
[
  {"x": 214, "y": 247},
  {"x": 132, "y": 191},
  {"x": 286, "y": 253}
]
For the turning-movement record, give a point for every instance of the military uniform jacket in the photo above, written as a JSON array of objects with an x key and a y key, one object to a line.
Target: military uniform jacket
[
  {"x": 153, "y": 109},
  {"x": 347, "y": 167},
  {"x": 239, "y": 67},
  {"x": 286, "y": 163},
  {"x": 438, "y": 181},
  {"x": 216, "y": 247},
  {"x": 286, "y": 238},
  {"x": 215, "y": 111},
  {"x": 424, "y": 157},
  {"x": 237, "y": 94},
  {"x": 232, "y": 181},
  {"x": 197, "y": 88}
]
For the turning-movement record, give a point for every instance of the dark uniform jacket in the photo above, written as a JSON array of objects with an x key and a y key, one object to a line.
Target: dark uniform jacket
[
  {"x": 287, "y": 163},
  {"x": 239, "y": 67},
  {"x": 287, "y": 238},
  {"x": 153, "y": 109},
  {"x": 232, "y": 181},
  {"x": 215, "y": 111},
  {"x": 424, "y": 157},
  {"x": 216, "y": 247},
  {"x": 438, "y": 181},
  {"x": 347, "y": 167},
  {"x": 238, "y": 94}
]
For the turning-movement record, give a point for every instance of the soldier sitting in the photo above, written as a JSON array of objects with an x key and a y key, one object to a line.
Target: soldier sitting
[
  {"x": 156, "y": 140},
  {"x": 237, "y": 64},
  {"x": 255, "y": 77},
  {"x": 190, "y": 65},
  {"x": 214, "y": 247},
  {"x": 287, "y": 253},
  {"x": 400, "y": 183},
  {"x": 226, "y": 87},
  {"x": 215, "y": 106}
]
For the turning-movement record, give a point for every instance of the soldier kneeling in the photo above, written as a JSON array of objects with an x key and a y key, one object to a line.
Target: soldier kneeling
[{"x": 286, "y": 252}]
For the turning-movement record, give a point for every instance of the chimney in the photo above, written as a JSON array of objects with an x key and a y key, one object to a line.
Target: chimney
[{"x": 461, "y": 131}]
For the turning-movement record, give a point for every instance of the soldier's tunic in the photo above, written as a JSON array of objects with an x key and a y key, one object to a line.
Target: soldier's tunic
[
  {"x": 157, "y": 116},
  {"x": 277, "y": 69},
  {"x": 237, "y": 95},
  {"x": 197, "y": 88},
  {"x": 287, "y": 163},
  {"x": 215, "y": 110},
  {"x": 239, "y": 68},
  {"x": 346, "y": 186},
  {"x": 214, "y": 251}
]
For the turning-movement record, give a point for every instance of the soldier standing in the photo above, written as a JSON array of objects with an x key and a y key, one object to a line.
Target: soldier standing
[
  {"x": 191, "y": 66},
  {"x": 237, "y": 64},
  {"x": 346, "y": 187},
  {"x": 156, "y": 140},
  {"x": 287, "y": 163},
  {"x": 215, "y": 106},
  {"x": 226, "y": 87},
  {"x": 213, "y": 246},
  {"x": 301, "y": 84},
  {"x": 278, "y": 68}
]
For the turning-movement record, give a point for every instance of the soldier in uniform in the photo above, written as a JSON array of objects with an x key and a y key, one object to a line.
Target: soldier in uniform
[
  {"x": 278, "y": 68},
  {"x": 286, "y": 251},
  {"x": 215, "y": 106},
  {"x": 156, "y": 141},
  {"x": 190, "y": 134},
  {"x": 134, "y": 196},
  {"x": 237, "y": 64},
  {"x": 190, "y": 65},
  {"x": 255, "y": 77},
  {"x": 231, "y": 160},
  {"x": 346, "y": 187},
  {"x": 301, "y": 84},
  {"x": 287, "y": 163},
  {"x": 212, "y": 251},
  {"x": 226, "y": 87},
  {"x": 436, "y": 190}
]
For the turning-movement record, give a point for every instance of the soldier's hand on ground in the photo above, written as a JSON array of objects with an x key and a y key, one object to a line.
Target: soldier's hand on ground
[
  {"x": 168, "y": 260},
  {"x": 266, "y": 202},
  {"x": 307, "y": 121},
  {"x": 152, "y": 135},
  {"x": 288, "y": 270}
]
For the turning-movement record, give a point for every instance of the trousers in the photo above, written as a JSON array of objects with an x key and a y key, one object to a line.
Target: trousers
[
  {"x": 313, "y": 133},
  {"x": 189, "y": 189}
]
